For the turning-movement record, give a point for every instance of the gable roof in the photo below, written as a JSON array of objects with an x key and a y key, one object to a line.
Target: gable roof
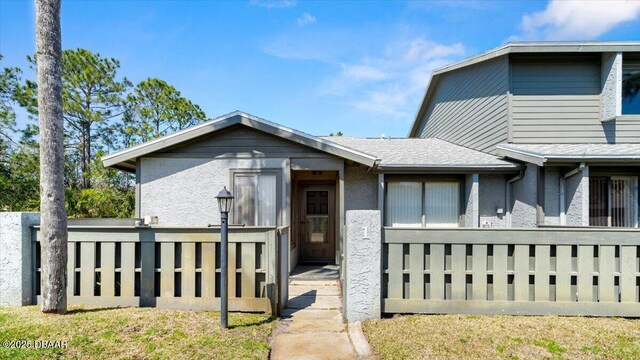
[
  {"x": 424, "y": 155},
  {"x": 544, "y": 154},
  {"x": 126, "y": 159},
  {"x": 520, "y": 48}
]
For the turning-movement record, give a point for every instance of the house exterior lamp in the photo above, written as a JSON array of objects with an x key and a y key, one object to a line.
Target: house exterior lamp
[{"x": 225, "y": 202}]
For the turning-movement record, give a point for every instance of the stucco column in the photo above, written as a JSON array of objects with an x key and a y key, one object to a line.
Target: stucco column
[
  {"x": 16, "y": 271},
  {"x": 363, "y": 266},
  {"x": 472, "y": 195}
]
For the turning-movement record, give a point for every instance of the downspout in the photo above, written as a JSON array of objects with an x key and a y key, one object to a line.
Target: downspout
[
  {"x": 563, "y": 190},
  {"x": 507, "y": 197}
]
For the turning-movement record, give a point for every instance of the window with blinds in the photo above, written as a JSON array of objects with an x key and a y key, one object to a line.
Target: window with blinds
[
  {"x": 613, "y": 201},
  {"x": 255, "y": 199},
  {"x": 422, "y": 204}
]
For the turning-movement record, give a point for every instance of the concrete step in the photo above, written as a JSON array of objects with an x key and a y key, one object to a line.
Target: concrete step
[
  {"x": 314, "y": 302},
  {"x": 316, "y": 283},
  {"x": 295, "y": 290},
  {"x": 312, "y": 314},
  {"x": 306, "y": 326}
]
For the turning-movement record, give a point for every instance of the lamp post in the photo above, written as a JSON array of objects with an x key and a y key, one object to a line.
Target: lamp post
[{"x": 225, "y": 200}]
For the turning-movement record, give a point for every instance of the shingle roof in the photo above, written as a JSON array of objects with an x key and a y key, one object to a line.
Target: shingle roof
[
  {"x": 544, "y": 153},
  {"x": 422, "y": 154}
]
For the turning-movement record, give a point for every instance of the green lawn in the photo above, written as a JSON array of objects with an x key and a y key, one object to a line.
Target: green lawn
[
  {"x": 132, "y": 333},
  {"x": 503, "y": 337}
]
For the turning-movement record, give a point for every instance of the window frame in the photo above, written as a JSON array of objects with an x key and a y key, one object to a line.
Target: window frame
[
  {"x": 609, "y": 183},
  {"x": 423, "y": 180},
  {"x": 256, "y": 172}
]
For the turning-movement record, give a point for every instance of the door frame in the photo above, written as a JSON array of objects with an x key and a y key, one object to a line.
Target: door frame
[{"x": 300, "y": 209}]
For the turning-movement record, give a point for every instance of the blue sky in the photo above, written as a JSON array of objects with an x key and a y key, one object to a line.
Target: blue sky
[{"x": 355, "y": 66}]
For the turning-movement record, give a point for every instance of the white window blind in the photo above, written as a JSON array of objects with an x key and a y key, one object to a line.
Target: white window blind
[
  {"x": 255, "y": 199},
  {"x": 442, "y": 204},
  {"x": 404, "y": 204}
]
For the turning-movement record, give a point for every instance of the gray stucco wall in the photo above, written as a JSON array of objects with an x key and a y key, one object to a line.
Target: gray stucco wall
[
  {"x": 181, "y": 191},
  {"x": 492, "y": 197},
  {"x": 360, "y": 189},
  {"x": 524, "y": 197},
  {"x": 577, "y": 199},
  {"x": 16, "y": 269},
  {"x": 363, "y": 252},
  {"x": 552, "y": 195},
  {"x": 611, "y": 82}
]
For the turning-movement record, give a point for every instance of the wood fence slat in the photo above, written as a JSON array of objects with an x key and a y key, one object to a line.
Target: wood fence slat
[
  {"x": 87, "y": 268},
  {"x": 563, "y": 273},
  {"x": 147, "y": 272},
  {"x": 437, "y": 271},
  {"x": 71, "y": 261},
  {"x": 248, "y": 281},
  {"x": 395, "y": 289},
  {"x": 416, "y": 271},
  {"x": 606, "y": 284},
  {"x": 585, "y": 273},
  {"x": 208, "y": 270},
  {"x": 127, "y": 269},
  {"x": 232, "y": 269},
  {"x": 628, "y": 268},
  {"x": 167, "y": 270},
  {"x": 107, "y": 269},
  {"x": 521, "y": 273},
  {"x": 458, "y": 275},
  {"x": 542, "y": 265},
  {"x": 500, "y": 289},
  {"x": 479, "y": 285},
  {"x": 188, "y": 269}
]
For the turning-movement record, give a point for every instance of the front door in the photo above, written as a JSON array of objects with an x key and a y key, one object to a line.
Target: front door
[{"x": 317, "y": 226}]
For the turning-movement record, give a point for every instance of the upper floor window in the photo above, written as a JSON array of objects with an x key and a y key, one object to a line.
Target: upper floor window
[
  {"x": 423, "y": 203},
  {"x": 255, "y": 199},
  {"x": 631, "y": 86}
]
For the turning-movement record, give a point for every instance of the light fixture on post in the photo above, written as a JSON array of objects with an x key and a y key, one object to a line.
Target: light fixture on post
[{"x": 225, "y": 202}]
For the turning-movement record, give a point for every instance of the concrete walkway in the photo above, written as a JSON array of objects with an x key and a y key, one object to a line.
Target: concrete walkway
[{"x": 312, "y": 326}]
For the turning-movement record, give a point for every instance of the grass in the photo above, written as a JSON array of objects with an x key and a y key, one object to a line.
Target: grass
[
  {"x": 503, "y": 337},
  {"x": 136, "y": 333}
]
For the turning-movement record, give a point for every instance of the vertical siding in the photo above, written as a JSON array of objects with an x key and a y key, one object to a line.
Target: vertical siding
[
  {"x": 469, "y": 106},
  {"x": 557, "y": 102}
]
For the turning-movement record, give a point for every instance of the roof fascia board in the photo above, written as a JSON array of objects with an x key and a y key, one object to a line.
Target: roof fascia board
[{"x": 530, "y": 157}]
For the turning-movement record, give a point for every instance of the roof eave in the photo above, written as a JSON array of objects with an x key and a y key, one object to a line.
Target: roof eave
[{"x": 117, "y": 160}]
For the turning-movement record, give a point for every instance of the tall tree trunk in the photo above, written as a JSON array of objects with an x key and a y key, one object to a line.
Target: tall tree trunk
[{"x": 53, "y": 214}]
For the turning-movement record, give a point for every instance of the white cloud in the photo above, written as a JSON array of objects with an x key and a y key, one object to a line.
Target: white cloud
[
  {"x": 391, "y": 84},
  {"x": 306, "y": 19},
  {"x": 577, "y": 19},
  {"x": 274, "y": 4}
]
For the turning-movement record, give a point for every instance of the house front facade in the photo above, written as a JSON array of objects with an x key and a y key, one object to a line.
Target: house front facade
[{"x": 523, "y": 136}]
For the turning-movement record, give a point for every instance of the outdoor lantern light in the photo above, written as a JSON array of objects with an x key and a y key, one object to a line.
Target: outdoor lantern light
[{"x": 225, "y": 199}]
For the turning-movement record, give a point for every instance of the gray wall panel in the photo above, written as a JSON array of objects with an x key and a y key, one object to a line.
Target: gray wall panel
[{"x": 469, "y": 106}]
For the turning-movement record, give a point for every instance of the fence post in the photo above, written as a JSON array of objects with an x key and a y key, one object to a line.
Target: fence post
[
  {"x": 363, "y": 265},
  {"x": 16, "y": 258}
]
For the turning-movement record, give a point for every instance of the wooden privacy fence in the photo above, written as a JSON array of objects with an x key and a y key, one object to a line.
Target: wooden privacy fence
[
  {"x": 563, "y": 271},
  {"x": 168, "y": 267}
]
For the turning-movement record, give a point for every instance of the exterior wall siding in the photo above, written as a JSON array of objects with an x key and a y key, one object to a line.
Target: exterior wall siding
[
  {"x": 470, "y": 107},
  {"x": 523, "y": 206},
  {"x": 558, "y": 102}
]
